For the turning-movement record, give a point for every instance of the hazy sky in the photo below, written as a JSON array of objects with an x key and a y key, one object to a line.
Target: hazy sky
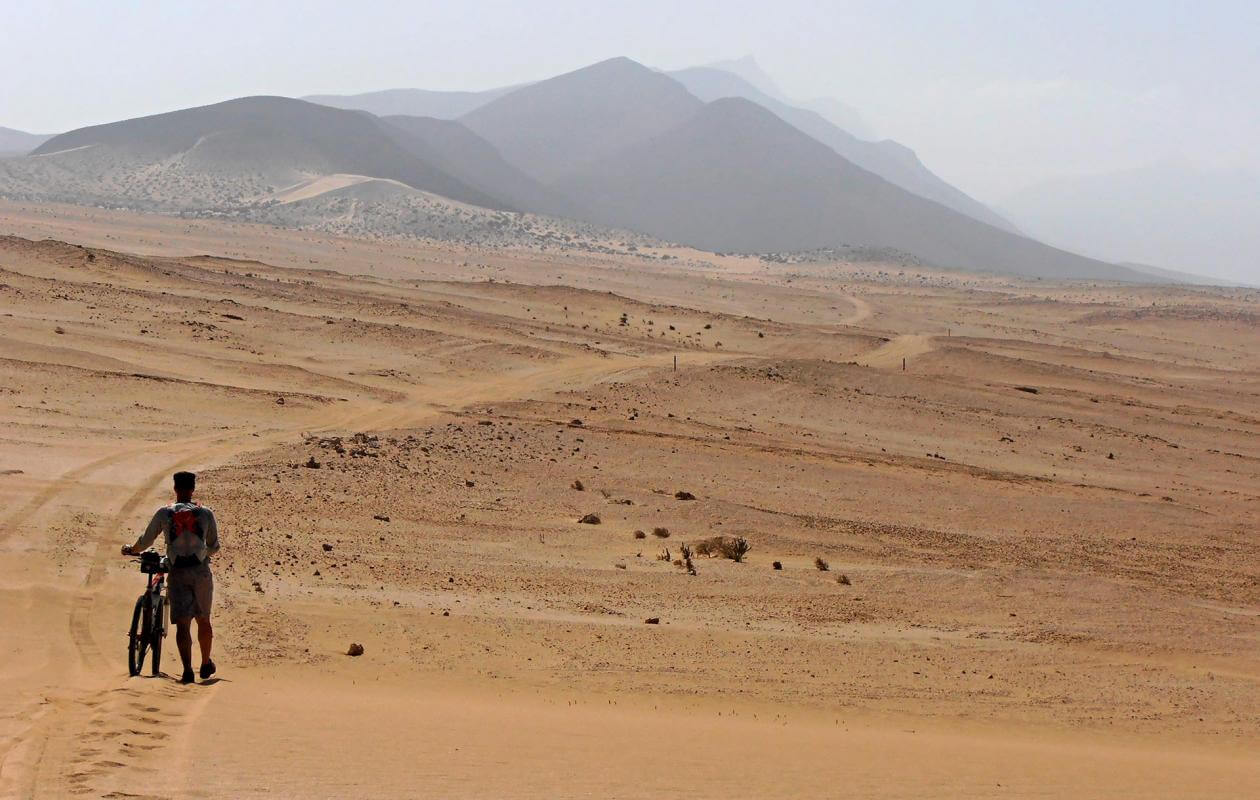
[{"x": 992, "y": 95}]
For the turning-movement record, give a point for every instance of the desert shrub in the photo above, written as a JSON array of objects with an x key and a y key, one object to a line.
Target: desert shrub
[
  {"x": 822, "y": 564},
  {"x": 661, "y": 533},
  {"x": 686, "y": 560},
  {"x": 844, "y": 580},
  {"x": 737, "y": 548},
  {"x": 640, "y": 535}
]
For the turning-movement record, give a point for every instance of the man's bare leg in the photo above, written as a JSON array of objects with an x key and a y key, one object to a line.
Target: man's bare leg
[
  {"x": 205, "y": 636},
  {"x": 183, "y": 639}
]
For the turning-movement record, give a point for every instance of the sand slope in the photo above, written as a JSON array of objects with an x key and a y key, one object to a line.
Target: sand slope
[{"x": 1047, "y": 525}]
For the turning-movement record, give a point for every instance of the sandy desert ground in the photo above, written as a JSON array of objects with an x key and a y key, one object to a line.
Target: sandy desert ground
[{"x": 1046, "y": 522}]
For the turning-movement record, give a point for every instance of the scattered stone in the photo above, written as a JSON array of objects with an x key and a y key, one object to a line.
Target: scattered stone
[
  {"x": 469, "y": 484},
  {"x": 844, "y": 580},
  {"x": 590, "y": 519},
  {"x": 575, "y": 423},
  {"x": 777, "y": 565},
  {"x": 619, "y": 565},
  {"x": 652, "y": 621},
  {"x": 356, "y": 649},
  {"x": 381, "y": 517},
  {"x": 279, "y": 401},
  {"x": 1028, "y": 389},
  {"x": 311, "y": 463},
  {"x": 681, "y": 495},
  {"x": 327, "y": 547},
  {"x": 640, "y": 535},
  {"x": 578, "y": 485}
]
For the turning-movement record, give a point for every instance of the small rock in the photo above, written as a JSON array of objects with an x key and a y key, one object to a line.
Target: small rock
[
  {"x": 279, "y": 401},
  {"x": 381, "y": 517},
  {"x": 590, "y": 519},
  {"x": 469, "y": 484},
  {"x": 777, "y": 565},
  {"x": 311, "y": 463},
  {"x": 681, "y": 495},
  {"x": 579, "y": 486},
  {"x": 575, "y": 423},
  {"x": 652, "y": 621},
  {"x": 327, "y": 547},
  {"x": 356, "y": 649}
]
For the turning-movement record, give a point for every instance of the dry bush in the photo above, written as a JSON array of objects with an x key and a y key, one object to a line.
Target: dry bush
[
  {"x": 661, "y": 533},
  {"x": 686, "y": 559},
  {"x": 737, "y": 548},
  {"x": 664, "y": 555},
  {"x": 579, "y": 486},
  {"x": 640, "y": 535},
  {"x": 844, "y": 580},
  {"x": 821, "y": 563}
]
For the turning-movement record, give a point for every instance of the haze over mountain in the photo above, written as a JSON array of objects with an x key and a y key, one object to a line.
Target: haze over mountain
[
  {"x": 736, "y": 177},
  {"x": 838, "y": 113},
  {"x": 412, "y": 102},
  {"x": 13, "y": 143},
  {"x": 615, "y": 144},
  {"x": 551, "y": 127},
  {"x": 893, "y": 162},
  {"x": 457, "y": 151},
  {"x": 1171, "y": 215}
]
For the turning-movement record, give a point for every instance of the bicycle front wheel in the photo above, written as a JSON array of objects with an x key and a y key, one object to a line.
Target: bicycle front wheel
[
  {"x": 159, "y": 608},
  {"x": 137, "y": 640}
]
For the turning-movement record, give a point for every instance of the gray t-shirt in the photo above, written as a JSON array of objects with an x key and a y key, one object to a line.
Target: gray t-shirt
[{"x": 190, "y": 531}]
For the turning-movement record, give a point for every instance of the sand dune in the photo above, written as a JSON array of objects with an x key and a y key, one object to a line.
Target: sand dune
[{"x": 1047, "y": 528}]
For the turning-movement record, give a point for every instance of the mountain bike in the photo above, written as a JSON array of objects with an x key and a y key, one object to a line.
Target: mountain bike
[{"x": 148, "y": 620}]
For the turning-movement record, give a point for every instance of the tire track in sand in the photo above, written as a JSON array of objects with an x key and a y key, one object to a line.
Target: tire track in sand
[{"x": 127, "y": 731}]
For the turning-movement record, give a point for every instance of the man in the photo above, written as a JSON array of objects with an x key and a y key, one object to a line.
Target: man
[{"x": 191, "y": 538}]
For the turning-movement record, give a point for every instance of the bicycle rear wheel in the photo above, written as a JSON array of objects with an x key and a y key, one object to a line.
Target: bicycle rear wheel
[
  {"x": 159, "y": 608},
  {"x": 138, "y": 638}
]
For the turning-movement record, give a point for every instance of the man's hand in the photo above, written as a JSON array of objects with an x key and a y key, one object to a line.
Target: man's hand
[{"x": 126, "y": 550}]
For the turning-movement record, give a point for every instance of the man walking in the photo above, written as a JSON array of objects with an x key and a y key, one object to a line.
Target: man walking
[{"x": 191, "y": 538}]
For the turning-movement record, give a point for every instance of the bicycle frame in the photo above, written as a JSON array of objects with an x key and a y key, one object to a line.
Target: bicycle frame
[{"x": 157, "y": 585}]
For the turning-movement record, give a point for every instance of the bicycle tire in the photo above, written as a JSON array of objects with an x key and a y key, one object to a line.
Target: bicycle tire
[
  {"x": 135, "y": 638},
  {"x": 155, "y": 648}
]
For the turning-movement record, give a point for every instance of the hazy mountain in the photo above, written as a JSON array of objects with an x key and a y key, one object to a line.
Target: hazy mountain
[
  {"x": 19, "y": 143},
  {"x": 235, "y": 151},
  {"x": 839, "y": 114},
  {"x": 736, "y": 177},
  {"x": 1171, "y": 215},
  {"x": 890, "y": 160},
  {"x": 412, "y": 102},
  {"x": 459, "y": 152},
  {"x": 552, "y": 127}
]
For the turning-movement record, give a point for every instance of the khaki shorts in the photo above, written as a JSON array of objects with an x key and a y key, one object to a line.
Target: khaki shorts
[{"x": 191, "y": 592}]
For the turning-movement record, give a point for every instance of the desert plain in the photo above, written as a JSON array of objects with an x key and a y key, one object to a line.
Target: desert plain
[{"x": 1036, "y": 503}]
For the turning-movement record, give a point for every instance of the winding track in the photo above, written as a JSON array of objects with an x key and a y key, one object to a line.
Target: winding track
[{"x": 68, "y": 733}]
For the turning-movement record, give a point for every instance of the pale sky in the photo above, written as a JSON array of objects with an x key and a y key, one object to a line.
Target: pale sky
[{"x": 992, "y": 95}]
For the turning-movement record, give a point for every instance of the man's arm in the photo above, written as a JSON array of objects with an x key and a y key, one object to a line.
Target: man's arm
[
  {"x": 150, "y": 534},
  {"x": 212, "y": 533}
]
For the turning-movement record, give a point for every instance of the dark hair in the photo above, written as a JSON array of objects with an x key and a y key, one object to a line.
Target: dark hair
[{"x": 185, "y": 480}]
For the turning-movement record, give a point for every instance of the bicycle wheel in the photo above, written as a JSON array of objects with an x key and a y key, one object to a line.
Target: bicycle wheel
[
  {"x": 159, "y": 607},
  {"x": 137, "y": 640}
]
